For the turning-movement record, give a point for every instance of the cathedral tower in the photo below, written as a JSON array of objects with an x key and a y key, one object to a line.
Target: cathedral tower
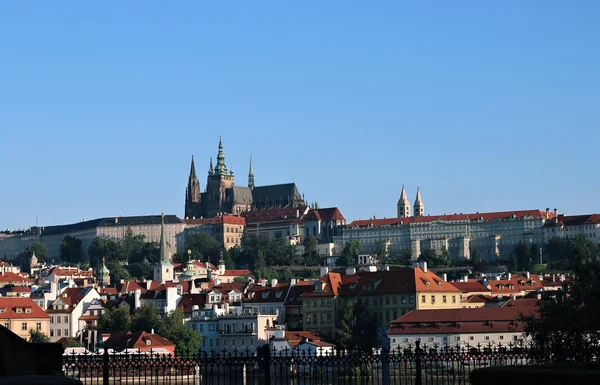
[
  {"x": 192, "y": 194},
  {"x": 251, "y": 176},
  {"x": 403, "y": 205},
  {"x": 419, "y": 206},
  {"x": 219, "y": 180}
]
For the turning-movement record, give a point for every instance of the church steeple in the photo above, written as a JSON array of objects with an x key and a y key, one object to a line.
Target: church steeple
[
  {"x": 221, "y": 168},
  {"x": 403, "y": 205},
  {"x": 210, "y": 167},
  {"x": 419, "y": 206},
  {"x": 163, "y": 271},
  {"x": 192, "y": 193},
  {"x": 251, "y": 175}
]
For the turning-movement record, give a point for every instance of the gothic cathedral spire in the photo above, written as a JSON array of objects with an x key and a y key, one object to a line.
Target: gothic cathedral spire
[
  {"x": 192, "y": 193},
  {"x": 221, "y": 168},
  {"x": 251, "y": 175},
  {"x": 403, "y": 205},
  {"x": 210, "y": 167},
  {"x": 419, "y": 206},
  {"x": 163, "y": 270}
]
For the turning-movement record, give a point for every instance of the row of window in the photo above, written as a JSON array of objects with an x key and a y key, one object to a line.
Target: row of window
[
  {"x": 444, "y": 299},
  {"x": 217, "y": 342},
  {"x": 57, "y": 319},
  {"x": 24, "y": 325},
  {"x": 325, "y": 318},
  {"x": 58, "y": 332},
  {"x": 445, "y": 339}
]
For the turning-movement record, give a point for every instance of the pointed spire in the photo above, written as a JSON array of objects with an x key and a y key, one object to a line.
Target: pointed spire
[
  {"x": 164, "y": 258},
  {"x": 210, "y": 167},
  {"x": 418, "y": 199},
  {"x": 192, "y": 169},
  {"x": 220, "y": 168},
  {"x": 403, "y": 196},
  {"x": 419, "y": 207},
  {"x": 251, "y": 175}
]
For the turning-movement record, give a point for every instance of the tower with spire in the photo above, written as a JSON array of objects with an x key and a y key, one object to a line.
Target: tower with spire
[
  {"x": 419, "y": 208},
  {"x": 403, "y": 205},
  {"x": 251, "y": 175},
  {"x": 103, "y": 275},
  {"x": 219, "y": 181},
  {"x": 192, "y": 194},
  {"x": 163, "y": 270}
]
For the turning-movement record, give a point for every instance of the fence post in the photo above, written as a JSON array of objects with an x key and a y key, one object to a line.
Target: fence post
[
  {"x": 105, "y": 367},
  {"x": 267, "y": 364},
  {"x": 385, "y": 366},
  {"x": 418, "y": 380}
]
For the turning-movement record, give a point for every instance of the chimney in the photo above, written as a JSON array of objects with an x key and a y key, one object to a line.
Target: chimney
[
  {"x": 273, "y": 282},
  {"x": 293, "y": 282},
  {"x": 152, "y": 331},
  {"x": 508, "y": 276},
  {"x": 547, "y": 212},
  {"x": 138, "y": 302},
  {"x": 465, "y": 278},
  {"x": 350, "y": 271},
  {"x": 324, "y": 271},
  {"x": 148, "y": 284},
  {"x": 116, "y": 220},
  {"x": 527, "y": 275},
  {"x": 445, "y": 277},
  {"x": 423, "y": 266},
  {"x": 555, "y": 213},
  {"x": 263, "y": 283}
]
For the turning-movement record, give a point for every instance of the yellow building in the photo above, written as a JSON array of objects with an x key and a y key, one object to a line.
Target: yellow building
[
  {"x": 433, "y": 292},
  {"x": 20, "y": 315}
]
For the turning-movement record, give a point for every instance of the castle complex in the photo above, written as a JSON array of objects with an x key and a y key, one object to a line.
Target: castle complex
[{"x": 222, "y": 196}]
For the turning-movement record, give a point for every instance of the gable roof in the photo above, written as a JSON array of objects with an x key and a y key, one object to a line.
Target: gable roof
[
  {"x": 471, "y": 286},
  {"x": 327, "y": 214},
  {"x": 275, "y": 215},
  {"x": 139, "y": 340},
  {"x": 574, "y": 220},
  {"x": 9, "y": 306},
  {"x": 260, "y": 294}
]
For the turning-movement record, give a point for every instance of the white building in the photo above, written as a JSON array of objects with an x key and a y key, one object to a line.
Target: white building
[
  {"x": 66, "y": 310},
  {"x": 459, "y": 327},
  {"x": 571, "y": 226},
  {"x": 267, "y": 298},
  {"x": 227, "y": 332}
]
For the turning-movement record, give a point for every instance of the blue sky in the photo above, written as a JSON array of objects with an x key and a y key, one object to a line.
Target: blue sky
[{"x": 485, "y": 105}]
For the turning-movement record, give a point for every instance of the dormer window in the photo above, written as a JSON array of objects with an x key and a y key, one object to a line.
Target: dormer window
[
  {"x": 440, "y": 283},
  {"x": 148, "y": 342},
  {"x": 28, "y": 310},
  {"x": 19, "y": 311},
  {"x": 265, "y": 294},
  {"x": 278, "y": 294},
  {"x": 427, "y": 283}
]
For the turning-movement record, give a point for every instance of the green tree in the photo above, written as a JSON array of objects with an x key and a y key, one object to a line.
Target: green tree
[
  {"x": 404, "y": 258},
  {"x": 186, "y": 340},
  {"x": 118, "y": 272},
  {"x": 523, "y": 254},
  {"x": 285, "y": 276},
  {"x": 40, "y": 250},
  {"x": 36, "y": 336},
  {"x": 102, "y": 247},
  {"x": 116, "y": 319},
  {"x": 356, "y": 330},
  {"x": 556, "y": 250},
  {"x": 231, "y": 257},
  {"x": 513, "y": 262},
  {"x": 204, "y": 247},
  {"x": 349, "y": 253},
  {"x": 71, "y": 342},
  {"x": 142, "y": 270},
  {"x": 444, "y": 258},
  {"x": 146, "y": 319},
  {"x": 310, "y": 256},
  {"x": 279, "y": 252},
  {"x": 567, "y": 326},
  {"x": 70, "y": 249},
  {"x": 476, "y": 261},
  {"x": 381, "y": 252}
]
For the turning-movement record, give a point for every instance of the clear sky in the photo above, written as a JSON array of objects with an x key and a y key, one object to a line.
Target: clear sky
[{"x": 486, "y": 105}]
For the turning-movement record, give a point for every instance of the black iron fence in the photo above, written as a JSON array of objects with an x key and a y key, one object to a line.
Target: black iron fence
[{"x": 416, "y": 365}]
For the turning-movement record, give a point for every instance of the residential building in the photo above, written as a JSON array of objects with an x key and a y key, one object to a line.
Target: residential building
[
  {"x": 20, "y": 279},
  {"x": 459, "y": 327},
  {"x": 21, "y": 314},
  {"x": 140, "y": 342},
  {"x": 493, "y": 234},
  {"x": 227, "y": 229},
  {"x": 571, "y": 226},
  {"x": 305, "y": 343},
  {"x": 228, "y": 332},
  {"x": 222, "y": 196},
  {"x": 386, "y": 295},
  {"x": 66, "y": 310},
  {"x": 286, "y": 223},
  {"x": 267, "y": 299},
  {"x": 6, "y": 267},
  {"x": 91, "y": 315},
  {"x": 324, "y": 224},
  {"x": 294, "y": 313}
]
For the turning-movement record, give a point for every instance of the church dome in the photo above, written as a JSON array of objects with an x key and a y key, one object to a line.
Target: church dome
[
  {"x": 104, "y": 270},
  {"x": 188, "y": 274}
]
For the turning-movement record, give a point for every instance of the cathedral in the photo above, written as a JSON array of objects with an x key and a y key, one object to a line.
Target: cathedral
[{"x": 222, "y": 196}]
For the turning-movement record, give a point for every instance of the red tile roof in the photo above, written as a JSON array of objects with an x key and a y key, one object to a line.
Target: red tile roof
[
  {"x": 237, "y": 273},
  {"x": 275, "y": 215},
  {"x": 10, "y": 305},
  {"x": 574, "y": 220},
  {"x": 8, "y": 277},
  {"x": 328, "y": 214},
  {"x": 475, "y": 320},
  {"x": 188, "y": 301},
  {"x": 523, "y": 302},
  {"x": 20, "y": 289},
  {"x": 139, "y": 340},
  {"x": 70, "y": 271},
  {"x": 471, "y": 286},
  {"x": 454, "y": 217},
  {"x": 227, "y": 219},
  {"x": 259, "y": 294}
]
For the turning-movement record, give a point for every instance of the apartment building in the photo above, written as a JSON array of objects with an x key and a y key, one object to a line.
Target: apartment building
[
  {"x": 66, "y": 310},
  {"x": 459, "y": 327},
  {"x": 267, "y": 298},
  {"x": 227, "y": 229},
  {"x": 386, "y": 295},
  {"x": 21, "y": 314}
]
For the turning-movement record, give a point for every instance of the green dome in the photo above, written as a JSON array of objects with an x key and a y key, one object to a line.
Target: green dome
[{"x": 104, "y": 270}]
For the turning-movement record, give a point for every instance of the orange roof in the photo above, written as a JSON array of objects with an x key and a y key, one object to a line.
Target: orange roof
[
  {"x": 237, "y": 273},
  {"x": 9, "y": 277},
  {"x": 454, "y": 217},
  {"x": 129, "y": 340},
  {"x": 328, "y": 214},
  {"x": 471, "y": 286},
  {"x": 10, "y": 305}
]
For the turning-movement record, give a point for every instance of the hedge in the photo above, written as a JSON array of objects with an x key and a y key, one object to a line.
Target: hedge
[{"x": 551, "y": 374}]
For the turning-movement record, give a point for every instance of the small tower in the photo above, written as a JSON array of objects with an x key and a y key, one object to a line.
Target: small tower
[
  {"x": 221, "y": 266},
  {"x": 251, "y": 176},
  {"x": 419, "y": 208},
  {"x": 163, "y": 270},
  {"x": 104, "y": 275},
  {"x": 34, "y": 261},
  {"x": 211, "y": 171},
  {"x": 403, "y": 205}
]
